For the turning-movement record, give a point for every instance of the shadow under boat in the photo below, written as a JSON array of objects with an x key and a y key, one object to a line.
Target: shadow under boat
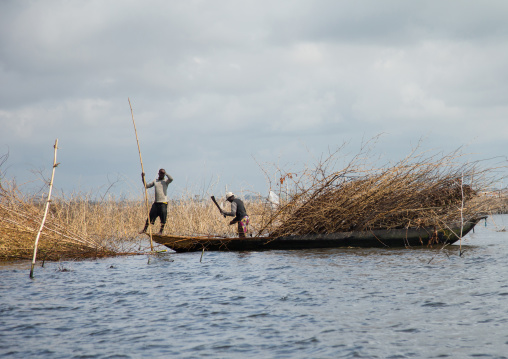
[{"x": 390, "y": 238}]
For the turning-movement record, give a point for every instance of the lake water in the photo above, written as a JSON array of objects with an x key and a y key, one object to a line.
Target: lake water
[{"x": 332, "y": 303}]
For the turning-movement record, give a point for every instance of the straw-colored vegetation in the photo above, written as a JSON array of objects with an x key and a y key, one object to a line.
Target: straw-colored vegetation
[
  {"x": 420, "y": 190},
  {"x": 83, "y": 226},
  {"x": 499, "y": 205},
  {"x": 20, "y": 218}
]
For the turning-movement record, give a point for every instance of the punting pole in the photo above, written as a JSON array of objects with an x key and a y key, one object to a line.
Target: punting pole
[
  {"x": 144, "y": 181},
  {"x": 45, "y": 211},
  {"x": 461, "y": 211}
]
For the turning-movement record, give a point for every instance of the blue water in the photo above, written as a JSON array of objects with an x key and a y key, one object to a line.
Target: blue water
[{"x": 333, "y": 303}]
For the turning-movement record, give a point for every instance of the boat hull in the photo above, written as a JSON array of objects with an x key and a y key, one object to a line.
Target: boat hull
[{"x": 393, "y": 238}]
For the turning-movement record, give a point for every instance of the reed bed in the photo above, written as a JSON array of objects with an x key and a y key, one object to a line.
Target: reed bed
[
  {"x": 83, "y": 225},
  {"x": 191, "y": 216},
  {"x": 118, "y": 222},
  {"x": 499, "y": 204}
]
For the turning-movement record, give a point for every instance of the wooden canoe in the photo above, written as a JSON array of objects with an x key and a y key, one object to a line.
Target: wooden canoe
[{"x": 393, "y": 238}]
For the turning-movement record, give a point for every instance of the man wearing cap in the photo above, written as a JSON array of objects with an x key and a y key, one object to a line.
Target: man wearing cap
[
  {"x": 160, "y": 206},
  {"x": 238, "y": 211}
]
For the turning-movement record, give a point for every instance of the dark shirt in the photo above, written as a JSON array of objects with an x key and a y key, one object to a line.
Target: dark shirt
[{"x": 237, "y": 210}]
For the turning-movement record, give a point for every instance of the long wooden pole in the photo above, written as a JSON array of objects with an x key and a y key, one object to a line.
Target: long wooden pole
[
  {"x": 45, "y": 211},
  {"x": 144, "y": 181},
  {"x": 461, "y": 211}
]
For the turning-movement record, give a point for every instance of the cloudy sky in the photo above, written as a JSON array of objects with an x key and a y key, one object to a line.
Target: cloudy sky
[{"x": 219, "y": 86}]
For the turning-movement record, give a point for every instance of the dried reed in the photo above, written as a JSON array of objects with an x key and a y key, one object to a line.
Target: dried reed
[
  {"x": 81, "y": 225},
  {"x": 20, "y": 216},
  {"x": 418, "y": 191}
]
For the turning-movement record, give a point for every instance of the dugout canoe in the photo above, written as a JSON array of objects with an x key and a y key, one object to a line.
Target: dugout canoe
[{"x": 393, "y": 238}]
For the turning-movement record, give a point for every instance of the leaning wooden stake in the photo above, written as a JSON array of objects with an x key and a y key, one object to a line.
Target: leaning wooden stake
[
  {"x": 45, "y": 211},
  {"x": 461, "y": 211},
  {"x": 144, "y": 181}
]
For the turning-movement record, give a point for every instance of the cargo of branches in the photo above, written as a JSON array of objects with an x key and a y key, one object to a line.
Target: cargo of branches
[
  {"x": 407, "y": 195},
  {"x": 419, "y": 191}
]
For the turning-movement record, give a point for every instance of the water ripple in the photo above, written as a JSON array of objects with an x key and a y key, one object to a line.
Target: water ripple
[{"x": 334, "y": 303}]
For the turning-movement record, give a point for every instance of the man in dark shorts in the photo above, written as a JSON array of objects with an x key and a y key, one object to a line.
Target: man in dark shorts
[
  {"x": 238, "y": 211},
  {"x": 160, "y": 206}
]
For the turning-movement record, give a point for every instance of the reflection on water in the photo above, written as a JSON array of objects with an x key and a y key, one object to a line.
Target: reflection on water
[{"x": 362, "y": 303}]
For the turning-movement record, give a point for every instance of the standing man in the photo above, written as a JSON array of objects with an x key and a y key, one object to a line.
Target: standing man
[
  {"x": 160, "y": 206},
  {"x": 238, "y": 211}
]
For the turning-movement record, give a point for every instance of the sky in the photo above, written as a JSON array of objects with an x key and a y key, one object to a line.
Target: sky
[{"x": 223, "y": 91}]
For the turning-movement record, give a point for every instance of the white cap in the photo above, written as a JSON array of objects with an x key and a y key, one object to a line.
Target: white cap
[{"x": 229, "y": 194}]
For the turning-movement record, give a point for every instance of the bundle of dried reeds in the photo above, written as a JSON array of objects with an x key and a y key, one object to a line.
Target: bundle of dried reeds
[
  {"x": 20, "y": 216},
  {"x": 418, "y": 191}
]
